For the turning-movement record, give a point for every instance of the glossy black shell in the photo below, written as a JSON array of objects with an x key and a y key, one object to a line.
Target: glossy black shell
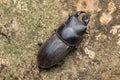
[
  {"x": 52, "y": 52},
  {"x": 64, "y": 40}
]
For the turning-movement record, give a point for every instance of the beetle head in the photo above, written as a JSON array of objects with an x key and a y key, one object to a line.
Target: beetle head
[
  {"x": 82, "y": 19},
  {"x": 85, "y": 18}
]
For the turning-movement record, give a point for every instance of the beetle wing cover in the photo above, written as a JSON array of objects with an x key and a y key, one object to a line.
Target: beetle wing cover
[{"x": 52, "y": 52}]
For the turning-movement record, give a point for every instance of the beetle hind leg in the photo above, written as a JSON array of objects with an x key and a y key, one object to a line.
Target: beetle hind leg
[{"x": 60, "y": 63}]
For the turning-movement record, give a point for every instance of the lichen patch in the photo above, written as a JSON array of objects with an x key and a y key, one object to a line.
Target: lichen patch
[
  {"x": 111, "y": 7},
  {"x": 105, "y": 18},
  {"x": 88, "y": 5}
]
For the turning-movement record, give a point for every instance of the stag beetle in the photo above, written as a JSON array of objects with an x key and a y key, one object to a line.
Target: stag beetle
[{"x": 65, "y": 39}]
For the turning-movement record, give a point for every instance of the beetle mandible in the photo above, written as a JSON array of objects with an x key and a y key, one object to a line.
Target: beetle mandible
[{"x": 65, "y": 39}]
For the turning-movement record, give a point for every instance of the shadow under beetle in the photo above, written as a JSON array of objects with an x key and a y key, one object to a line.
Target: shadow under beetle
[{"x": 65, "y": 39}]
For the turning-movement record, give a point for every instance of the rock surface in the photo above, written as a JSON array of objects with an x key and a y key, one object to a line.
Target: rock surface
[{"x": 24, "y": 23}]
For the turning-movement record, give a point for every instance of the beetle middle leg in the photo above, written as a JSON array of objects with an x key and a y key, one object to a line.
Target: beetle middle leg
[{"x": 80, "y": 48}]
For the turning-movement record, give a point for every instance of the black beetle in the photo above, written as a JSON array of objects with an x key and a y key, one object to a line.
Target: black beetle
[{"x": 65, "y": 39}]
